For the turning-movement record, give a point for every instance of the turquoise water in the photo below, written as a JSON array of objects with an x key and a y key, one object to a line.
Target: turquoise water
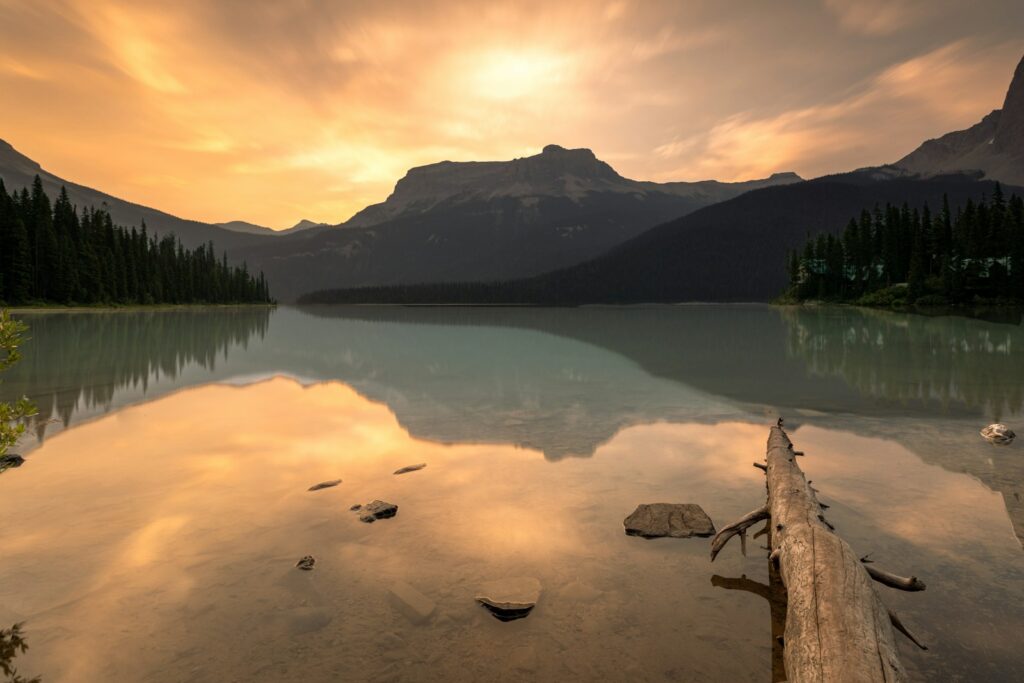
[{"x": 162, "y": 506}]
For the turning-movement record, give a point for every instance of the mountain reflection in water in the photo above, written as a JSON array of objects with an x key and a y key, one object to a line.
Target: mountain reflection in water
[
  {"x": 634, "y": 404},
  {"x": 563, "y": 381}
]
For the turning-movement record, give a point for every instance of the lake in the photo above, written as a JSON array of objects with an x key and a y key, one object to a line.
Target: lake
[{"x": 153, "y": 531}]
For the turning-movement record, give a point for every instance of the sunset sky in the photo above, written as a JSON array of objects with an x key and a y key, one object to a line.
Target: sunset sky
[{"x": 274, "y": 111}]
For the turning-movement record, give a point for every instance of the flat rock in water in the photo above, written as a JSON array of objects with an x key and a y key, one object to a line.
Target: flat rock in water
[
  {"x": 676, "y": 520},
  {"x": 356, "y": 507},
  {"x": 510, "y": 598},
  {"x": 378, "y": 509},
  {"x": 410, "y": 468},
  {"x": 306, "y": 563},
  {"x": 324, "y": 485},
  {"x": 415, "y": 605}
]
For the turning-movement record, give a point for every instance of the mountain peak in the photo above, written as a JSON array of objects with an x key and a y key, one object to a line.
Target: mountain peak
[
  {"x": 1009, "y": 135},
  {"x": 994, "y": 145},
  {"x": 555, "y": 150}
]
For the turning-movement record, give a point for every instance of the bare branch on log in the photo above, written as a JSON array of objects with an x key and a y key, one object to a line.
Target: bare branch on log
[
  {"x": 740, "y": 526},
  {"x": 903, "y": 583},
  {"x": 761, "y": 466},
  {"x": 904, "y": 630}
]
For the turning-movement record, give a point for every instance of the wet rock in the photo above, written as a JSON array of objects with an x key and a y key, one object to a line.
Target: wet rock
[
  {"x": 511, "y": 598},
  {"x": 378, "y": 509},
  {"x": 417, "y": 607},
  {"x": 306, "y": 563},
  {"x": 11, "y": 460},
  {"x": 998, "y": 434},
  {"x": 324, "y": 485},
  {"x": 410, "y": 468},
  {"x": 676, "y": 520},
  {"x": 355, "y": 507}
]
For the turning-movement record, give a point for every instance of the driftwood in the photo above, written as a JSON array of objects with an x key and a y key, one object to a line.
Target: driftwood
[{"x": 836, "y": 628}]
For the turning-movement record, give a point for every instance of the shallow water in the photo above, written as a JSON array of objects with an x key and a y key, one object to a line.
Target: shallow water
[{"x": 160, "y": 515}]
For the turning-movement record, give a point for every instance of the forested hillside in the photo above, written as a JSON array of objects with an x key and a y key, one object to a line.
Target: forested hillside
[
  {"x": 51, "y": 253},
  {"x": 914, "y": 256}
]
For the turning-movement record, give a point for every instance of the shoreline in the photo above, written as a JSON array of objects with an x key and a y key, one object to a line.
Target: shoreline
[{"x": 126, "y": 308}]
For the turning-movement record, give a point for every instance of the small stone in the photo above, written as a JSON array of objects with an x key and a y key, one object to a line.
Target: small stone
[
  {"x": 355, "y": 507},
  {"x": 324, "y": 485},
  {"x": 410, "y": 468},
  {"x": 11, "y": 461},
  {"x": 511, "y": 598},
  {"x": 415, "y": 605},
  {"x": 676, "y": 520},
  {"x": 306, "y": 563},
  {"x": 378, "y": 509},
  {"x": 998, "y": 434}
]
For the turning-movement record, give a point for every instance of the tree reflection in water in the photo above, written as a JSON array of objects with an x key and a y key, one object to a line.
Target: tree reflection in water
[
  {"x": 79, "y": 360},
  {"x": 910, "y": 359}
]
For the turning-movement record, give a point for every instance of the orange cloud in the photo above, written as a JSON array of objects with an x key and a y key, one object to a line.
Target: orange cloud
[
  {"x": 270, "y": 112},
  {"x": 862, "y": 127}
]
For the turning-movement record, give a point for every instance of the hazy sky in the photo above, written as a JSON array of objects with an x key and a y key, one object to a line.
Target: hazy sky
[{"x": 274, "y": 111}]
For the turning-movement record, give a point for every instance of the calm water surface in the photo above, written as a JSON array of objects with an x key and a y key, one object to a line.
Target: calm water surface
[{"x": 153, "y": 531}]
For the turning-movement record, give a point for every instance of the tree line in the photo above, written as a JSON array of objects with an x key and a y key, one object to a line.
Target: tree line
[
  {"x": 900, "y": 255},
  {"x": 53, "y": 253}
]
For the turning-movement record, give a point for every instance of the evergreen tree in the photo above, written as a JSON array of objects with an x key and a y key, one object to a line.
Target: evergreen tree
[
  {"x": 978, "y": 253},
  {"x": 52, "y": 253}
]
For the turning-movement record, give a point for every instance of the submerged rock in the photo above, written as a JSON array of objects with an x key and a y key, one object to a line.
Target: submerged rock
[
  {"x": 378, "y": 509},
  {"x": 410, "y": 468},
  {"x": 306, "y": 563},
  {"x": 415, "y": 605},
  {"x": 511, "y": 598},
  {"x": 307, "y": 620},
  {"x": 324, "y": 485},
  {"x": 355, "y": 507},
  {"x": 11, "y": 461},
  {"x": 579, "y": 592},
  {"x": 676, "y": 520},
  {"x": 998, "y": 434}
]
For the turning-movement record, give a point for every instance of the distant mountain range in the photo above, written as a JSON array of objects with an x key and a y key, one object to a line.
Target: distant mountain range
[
  {"x": 556, "y": 172},
  {"x": 564, "y": 222},
  {"x": 475, "y": 220},
  {"x": 732, "y": 251},
  {"x": 253, "y": 229},
  {"x": 994, "y": 146},
  {"x": 444, "y": 222}
]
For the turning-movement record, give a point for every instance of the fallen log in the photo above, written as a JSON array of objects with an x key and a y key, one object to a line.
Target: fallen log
[{"x": 837, "y": 628}]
